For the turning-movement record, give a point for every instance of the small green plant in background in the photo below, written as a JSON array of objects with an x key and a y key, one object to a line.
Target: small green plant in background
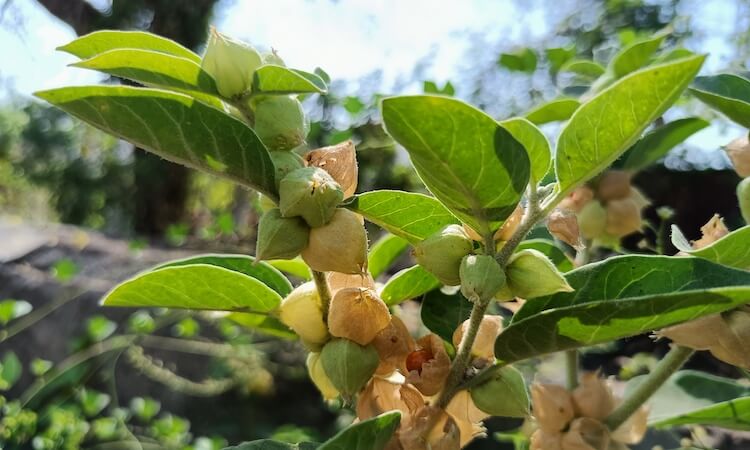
[{"x": 235, "y": 113}]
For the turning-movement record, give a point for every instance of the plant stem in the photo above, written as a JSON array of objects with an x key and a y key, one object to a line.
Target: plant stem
[
  {"x": 571, "y": 366},
  {"x": 324, "y": 291},
  {"x": 673, "y": 360}
]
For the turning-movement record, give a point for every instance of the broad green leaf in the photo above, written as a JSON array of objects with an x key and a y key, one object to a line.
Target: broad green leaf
[
  {"x": 697, "y": 398},
  {"x": 411, "y": 216},
  {"x": 371, "y": 434},
  {"x": 442, "y": 313},
  {"x": 152, "y": 69},
  {"x": 384, "y": 252},
  {"x": 553, "y": 111},
  {"x": 608, "y": 124},
  {"x": 175, "y": 127},
  {"x": 521, "y": 61},
  {"x": 101, "y": 41},
  {"x": 263, "y": 323},
  {"x": 621, "y": 297},
  {"x": 730, "y": 94},
  {"x": 558, "y": 56},
  {"x": 635, "y": 56},
  {"x": 732, "y": 250},
  {"x": 550, "y": 250},
  {"x": 278, "y": 80},
  {"x": 295, "y": 267},
  {"x": 244, "y": 264},
  {"x": 672, "y": 54},
  {"x": 196, "y": 286},
  {"x": 584, "y": 67},
  {"x": 535, "y": 143},
  {"x": 408, "y": 284},
  {"x": 656, "y": 143},
  {"x": 466, "y": 159},
  {"x": 268, "y": 444}
]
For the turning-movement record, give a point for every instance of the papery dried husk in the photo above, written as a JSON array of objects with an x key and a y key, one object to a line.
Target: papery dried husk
[
  {"x": 510, "y": 225},
  {"x": 393, "y": 343},
  {"x": 613, "y": 185},
  {"x": 734, "y": 343},
  {"x": 698, "y": 334},
  {"x": 340, "y": 161},
  {"x": 633, "y": 429},
  {"x": 339, "y": 246},
  {"x": 711, "y": 232},
  {"x": 563, "y": 224},
  {"x": 623, "y": 217},
  {"x": 546, "y": 440},
  {"x": 484, "y": 344},
  {"x": 739, "y": 153},
  {"x": 357, "y": 314},
  {"x": 576, "y": 200},
  {"x": 338, "y": 281},
  {"x": 381, "y": 395},
  {"x": 431, "y": 378},
  {"x": 552, "y": 406},
  {"x": 467, "y": 416},
  {"x": 431, "y": 429},
  {"x": 586, "y": 434},
  {"x": 593, "y": 397}
]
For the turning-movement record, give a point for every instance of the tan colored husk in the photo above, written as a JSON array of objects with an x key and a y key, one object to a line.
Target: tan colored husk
[
  {"x": 467, "y": 416},
  {"x": 623, "y": 217},
  {"x": 484, "y": 344},
  {"x": 340, "y": 161},
  {"x": 338, "y": 281},
  {"x": 633, "y": 429},
  {"x": 563, "y": 225},
  {"x": 699, "y": 334},
  {"x": 381, "y": 395},
  {"x": 593, "y": 397},
  {"x": 393, "y": 343},
  {"x": 586, "y": 434},
  {"x": 733, "y": 342},
  {"x": 711, "y": 232},
  {"x": 510, "y": 225},
  {"x": 431, "y": 429},
  {"x": 357, "y": 314},
  {"x": 339, "y": 246},
  {"x": 553, "y": 406},
  {"x": 546, "y": 440},
  {"x": 613, "y": 185},
  {"x": 576, "y": 200},
  {"x": 473, "y": 235},
  {"x": 739, "y": 153},
  {"x": 434, "y": 372}
]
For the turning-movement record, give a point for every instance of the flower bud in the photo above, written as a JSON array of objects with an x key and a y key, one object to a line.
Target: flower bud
[
  {"x": 545, "y": 440},
  {"x": 593, "y": 398},
  {"x": 441, "y": 253},
  {"x": 592, "y": 220},
  {"x": 302, "y": 311},
  {"x": 429, "y": 365},
  {"x": 510, "y": 225},
  {"x": 339, "y": 246},
  {"x": 613, "y": 185},
  {"x": 586, "y": 434},
  {"x": 348, "y": 365},
  {"x": 711, "y": 232},
  {"x": 484, "y": 344},
  {"x": 481, "y": 277},
  {"x": 340, "y": 161},
  {"x": 563, "y": 225},
  {"x": 319, "y": 377},
  {"x": 280, "y": 237},
  {"x": 623, "y": 217},
  {"x": 285, "y": 163},
  {"x": 743, "y": 195},
  {"x": 739, "y": 153},
  {"x": 503, "y": 395},
  {"x": 576, "y": 200},
  {"x": 394, "y": 344},
  {"x": 231, "y": 63},
  {"x": 357, "y": 314},
  {"x": 310, "y": 193},
  {"x": 553, "y": 407},
  {"x": 280, "y": 122},
  {"x": 531, "y": 274}
]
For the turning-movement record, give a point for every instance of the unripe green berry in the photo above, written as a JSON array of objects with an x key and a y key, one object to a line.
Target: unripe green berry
[
  {"x": 310, "y": 193},
  {"x": 441, "y": 253},
  {"x": 280, "y": 122},
  {"x": 502, "y": 395},
  {"x": 349, "y": 365},
  {"x": 280, "y": 237},
  {"x": 285, "y": 163},
  {"x": 481, "y": 277},
  {"x": 743, "y": 195},
  {"x": 231, "y": 63}
]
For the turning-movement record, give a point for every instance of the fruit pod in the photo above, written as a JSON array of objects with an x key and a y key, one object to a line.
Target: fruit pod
[
  {"x": 339, "y": 246},
  {"x": 441, "y": 253},
  {"x": 531, "y": 274},
  {"x": 593, "y": 397},
  {"x": 623, "y": 217},
  {"x": 348, "y": 365},
  {"x": 319, "y": 377},
  {"x": 743, "y": 195},
  {"x": 230, "y": 63},
  {"x": 285, "y": 163},
  {"x": 357, "y": 314},
  {"x": 484, "y": 343},
  {"x": 311, "y": 194},
  {"x": 592, "y": 220},
  {"x": 613, "y": 185},
  {"x": 340, "y": 161},
  {"x": 585, "y": 434},
  {"x": 302, "y": 311},
  {"x": 503, "y": 395},
  {"x": 280, "y": 237},
  {"x": 739, "y": 153},
  {"x": 553, "y": 406},
  {"x": 481, "y": 277},
  {"x": 280, "y": 122},
  {"x": 563, "y": 225}
]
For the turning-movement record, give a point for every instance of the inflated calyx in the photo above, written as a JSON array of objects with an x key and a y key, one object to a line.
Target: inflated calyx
[
  {"x": 320, "y": 378},
  {"x": 348, "y": 365},
  {"x": 357, "y": 314},
  {"x": 530, "y": 274},
  {"x": 481, "y": 277},
  {"x": 339, "y": 246},
  {"x": 280, "y": 237},
  {"x": 285, "y": 163},
  {"x": 280, "y": 122},
  {"x": 743, "y": 195},
  {"x": 503, "y": 395},
  {"x": 441, "y": 253},
  {"x": 311, "y": 194},
  {"x": 340, "y": 161},
  {"x": 231, "y": 63},
  {"x": 302, "y": 311}
]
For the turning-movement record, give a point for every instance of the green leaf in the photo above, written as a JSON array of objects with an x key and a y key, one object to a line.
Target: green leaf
[
  {"x": 13, "y": 309},
  {"x": 175, "y": 127},
  {"x": 10, "y": 370},
  {"x": 442, "y": 313},
  {"x": 732, "y": 250},
  {"x": 558, "y": 56},
  {"x": 105, "y": 40},
  {"x": 263, "y": 323},
  {"x": 635, "y": 56},
  {"x": 466, "y": 159},
  {"x": 152, "y": 69},
  {"x": 696, "y": 398},
  {"x": 583, "y": 67},
  {"x": 605, "y": 126},
  {"x": 411, "y": 216},
  {"x": 730, "y": 94},
  {"x": 550, "y": 250},
  {"x": 371, "y": 434},
  {"x": 278, "y": 80},
  {"x": 268, "y": 444},
  {"x": 407, "y": 284},
  {"x": 244, "y": 264},
  {"x": 621, "y": 297},
  {"x": 384, "y": 253},
  {"x": 196, "y": 286},
  {"x": 656, "y": 143},
  {"x": 535, "y": 143},
  {"x": 521, "y": 61},
  {"x": 295, "y": 267},
  {"x": 553, "y": 111}
]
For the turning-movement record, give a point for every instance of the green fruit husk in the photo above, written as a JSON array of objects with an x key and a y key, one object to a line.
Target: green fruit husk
[
  {"x": 481, "y": 277},
  {"x": 310, "y": 193},
  {"x": 441, "y": 253},
  {"x": 280, "y": 122},
  {"x": 503, "y": 395},
  {"x": 280, "y": 237},
  {"x": 743, "y": 195},
  {"x": 349, "y": 365}
]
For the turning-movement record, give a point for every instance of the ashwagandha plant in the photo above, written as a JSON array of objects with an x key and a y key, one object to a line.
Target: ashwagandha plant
[{"x": 236, "y": 113}]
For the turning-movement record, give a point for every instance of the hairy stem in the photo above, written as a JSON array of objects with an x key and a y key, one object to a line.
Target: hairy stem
[
  {"x": 672, "y": 362},
  {"x": 324, "y": 291},
  {"x": 571, "y": 369}
]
